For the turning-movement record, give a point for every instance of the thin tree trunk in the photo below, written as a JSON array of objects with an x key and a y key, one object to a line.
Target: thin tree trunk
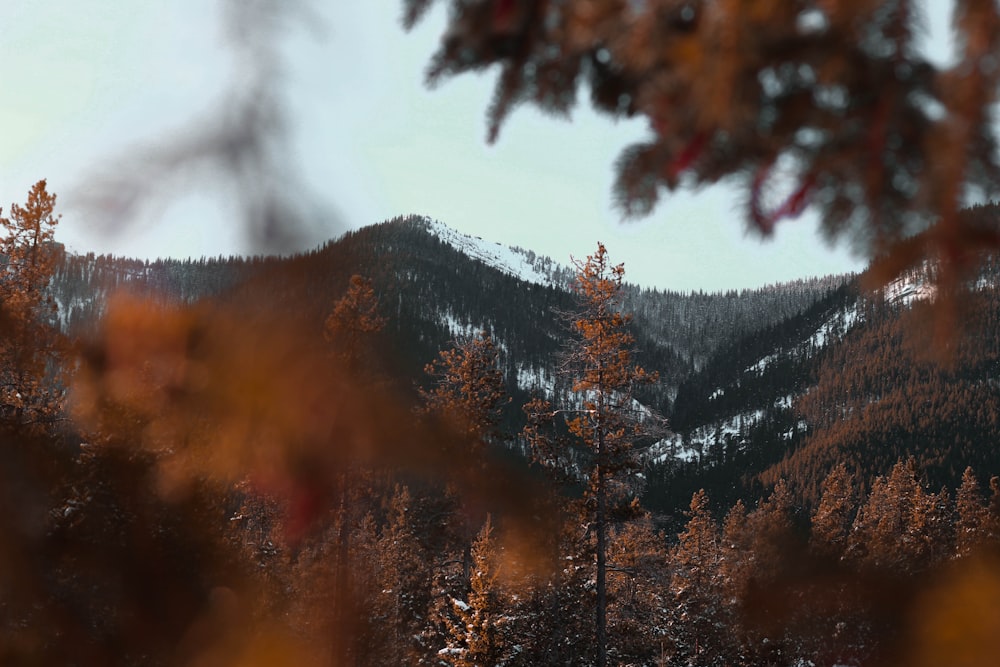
[
  {"x": 602, "y": 566},
  {"x": 342, "y": 596}
]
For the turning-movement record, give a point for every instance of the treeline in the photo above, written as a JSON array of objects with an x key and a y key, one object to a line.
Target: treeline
[
  {"x": 82, "y": 284},
  {"x": 761, "y": 586},
  {"x": 700, "y": 324}
]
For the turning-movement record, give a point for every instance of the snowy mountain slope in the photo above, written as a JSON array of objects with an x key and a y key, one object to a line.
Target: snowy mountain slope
[
  {"x": 514, "y": 262},
  {"x": 738, "y": 414}
]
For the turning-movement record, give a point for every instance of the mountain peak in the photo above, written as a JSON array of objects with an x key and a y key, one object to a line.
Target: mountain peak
[{"x": 516, "y": 262}]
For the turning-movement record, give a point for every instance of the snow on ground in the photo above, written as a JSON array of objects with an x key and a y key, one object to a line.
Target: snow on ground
[
  {"x": 535, "y": 379},
  {"x": 762, "y": 364},
  {"x": 910, "y": 287},
  {"x": 502, "y": 258},
  {"x": 458, "y": 329},
  {"x": 836, "y": 326},
  {"x": 700, "y": 439}
]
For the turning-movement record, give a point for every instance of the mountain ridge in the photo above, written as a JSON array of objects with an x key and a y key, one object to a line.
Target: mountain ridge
[{"x": 735, "y": 366}]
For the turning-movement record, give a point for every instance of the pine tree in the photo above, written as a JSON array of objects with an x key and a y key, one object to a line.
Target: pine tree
[
  {"x": 638, "y": 580},
  {"x": 880, "y": 522},
  {"x": 890, "y": 531},
  {"x": 468, "y": 394},
  {"x": 349, "y": 327},
  {"x": 930, "y": 532},
  {"x": 29, "y": 343},
  {"x": 608, "y": 420},
  {"x": 478, "y": 633},
  {"x": 972, "y": 517},
  {"x": 831, "y": 523},
  {"x": 697, "y": 610},
  {"x": 552, "y": 612},
  {"x": 771, "y": 531},
  {"x": 404, "y": 580},
  {"x": 991, "y": 532},
  {"x": 352, "y": 321},
  {"x": 468, "y": 389},
  {"x": 735, "y": 572}
]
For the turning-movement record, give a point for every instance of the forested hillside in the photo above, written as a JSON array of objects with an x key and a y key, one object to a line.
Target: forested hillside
[
  {"x": 858, "y": 379},
  {"x": 352, "y": 484},
  {"x": 432, "y": 292},
  {"x": 747, "y": 380}
]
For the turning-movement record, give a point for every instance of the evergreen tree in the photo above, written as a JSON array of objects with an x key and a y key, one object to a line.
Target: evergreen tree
[
  {"x": 930, "y": 532},
  {"x": 735, "y": 572},
  {"x": 638, "y": 580},
  {"x": 349, "y": 328},
  {"x": 404, "y": 586},
  {"x": 894, "y": 528},
  {"x": 992, "y": 528},
  {"x": 697, "y": 607},
  {"x": 468, "y": 388},
  {"x": 478, "y": 633},
  {"x": 352, "y": 321},
  {"x": 771, "y": 531},
  {"x": 608, "y": 420},
  {"x": 881, "y": 521},
  {"x": 831, "y": 523},
  {"x": 468, "y": 394},
  {"x": 29, "y": 343},
  {"x": 970, "y": 524},
  {"x": 553, "y": 619}
]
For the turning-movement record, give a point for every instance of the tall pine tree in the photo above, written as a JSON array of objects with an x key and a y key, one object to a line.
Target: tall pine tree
[
  {"x": 605, "y": 418},
  {"x": 29, "y": 341}
]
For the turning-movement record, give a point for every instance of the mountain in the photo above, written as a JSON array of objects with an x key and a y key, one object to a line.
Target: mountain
[
  {"x": 437, "y": 284},
  {"x": 517, "y": 262},
  {"x": 855, "y": 378},
  {"x": 781, "y": 381}
]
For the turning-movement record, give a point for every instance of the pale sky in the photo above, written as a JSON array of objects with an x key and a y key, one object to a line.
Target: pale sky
[{"x": 85, "y": 82}]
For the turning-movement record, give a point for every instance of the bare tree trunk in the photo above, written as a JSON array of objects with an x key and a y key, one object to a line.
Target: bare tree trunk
[
  {"x": 343, "y": 599},
  {"x": 602, "y": 565}
]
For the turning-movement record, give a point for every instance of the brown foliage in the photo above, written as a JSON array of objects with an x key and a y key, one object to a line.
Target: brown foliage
[
  {"x": 468, "y": 389},
  {"x": 745, "y": 90},
  {"x": 30, "y": 394}
]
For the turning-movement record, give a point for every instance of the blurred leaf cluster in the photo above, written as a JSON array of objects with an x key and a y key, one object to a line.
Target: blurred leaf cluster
[{"x": 828, "y": 104}]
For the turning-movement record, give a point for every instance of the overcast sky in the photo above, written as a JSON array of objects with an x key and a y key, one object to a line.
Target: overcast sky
[{"x": 85, "y": 82}]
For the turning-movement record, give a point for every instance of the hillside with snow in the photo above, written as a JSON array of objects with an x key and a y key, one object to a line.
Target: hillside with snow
[
  {"x": 515, "y": 262},
  {"x": 735, "y": 369}
]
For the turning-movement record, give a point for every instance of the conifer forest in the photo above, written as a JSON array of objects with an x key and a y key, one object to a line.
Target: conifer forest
[{"x": 409, "y": 446}]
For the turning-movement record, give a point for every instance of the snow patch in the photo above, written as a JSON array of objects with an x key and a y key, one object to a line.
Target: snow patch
[
  {"x": 910, "y": 287},
  {"x": 536, "y": 379},
  {"x": 835, "y": 327},
  {"x": 514, "y": 262},
  {"x": 763, "y": 363},
  {"x": 700, "y": 441}
]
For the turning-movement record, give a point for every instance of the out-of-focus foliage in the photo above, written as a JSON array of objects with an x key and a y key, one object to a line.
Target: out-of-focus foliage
[
  {"x": 825, "y": 103},
  {"x": 220, "y": 393},
  {"x": 99, "y": 569},
  {"x": 241, "y": 148},
  {"x": 354, "y": 316},
  {"x": 209, "y": 446}
]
